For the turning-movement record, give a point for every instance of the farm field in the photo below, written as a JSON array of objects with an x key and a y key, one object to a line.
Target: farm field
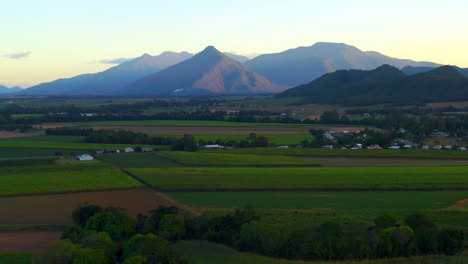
[
  {"x": 331, "y": 161},
  {"x": 25, "y": 242},
  {"x": 15, "y": 258},
  {"x": 56, "y": 209},
  {"x": 203, "y": 252},
  {"x": 222, "y": 159},
  {"x": 299, "y": 178},
  {"x": 139, "y": 160},
  {"x": 326, "y": 201},
  {"x": 64, "y": 145},
  {"x": 385, "y": 153},
  {"x": 48, "y": 138},
  {"x": 13, "y": 152},
  {"x": 62, "y": 178}
]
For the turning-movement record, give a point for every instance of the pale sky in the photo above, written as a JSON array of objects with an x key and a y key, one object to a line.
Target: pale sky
[{"x": 41, "y": 41}]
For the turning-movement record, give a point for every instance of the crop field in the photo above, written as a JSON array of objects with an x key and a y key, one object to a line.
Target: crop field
[
  {"x": 203, "y": 252},
  {"x": 326, "y": 201},
  {"x": 332, "y": 161},
  {"x": 15, "y": 258},
  {"x": 385, "y": 153},
  {"x": 62, "y": 178},
  {"x": 24, "y": 116},
  {"x": 44, "y": 138},
  {"x": 298, "y": 178},
  {"x": 8, "y": 153},
  {"x": 64, "y": 145},
  {"x": 222, "y": 159},
  {"x": 138, "y": 160},
  {"x": 56, "y": 209}
]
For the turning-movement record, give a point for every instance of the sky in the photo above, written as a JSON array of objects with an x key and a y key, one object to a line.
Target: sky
[{"x": 41, "y": 41}]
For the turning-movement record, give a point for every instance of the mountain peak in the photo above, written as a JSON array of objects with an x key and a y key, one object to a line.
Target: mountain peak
[
  {"x": 211, "y": 50},
  {"x": 447, "y": 70}
]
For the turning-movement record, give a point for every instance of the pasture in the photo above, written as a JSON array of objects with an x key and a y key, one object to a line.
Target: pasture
[
  {"x": 326, "y": 201},
  {"x": 64, "y": 145},
  {"x": 223, "y": 159},
  {"x": 66, "y": 177},
  {"x": 203, "y": 252},
  {"x": 301, "y": 178}
]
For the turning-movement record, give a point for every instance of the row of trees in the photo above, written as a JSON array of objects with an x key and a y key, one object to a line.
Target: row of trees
[{"x": 109, "y": 235}]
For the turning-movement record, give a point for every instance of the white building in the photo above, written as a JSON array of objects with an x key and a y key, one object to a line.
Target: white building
[
  {"x": 84, "y": 157},
  {"x": 214, "y": 146},
  {"x": 127, "y": 150}
]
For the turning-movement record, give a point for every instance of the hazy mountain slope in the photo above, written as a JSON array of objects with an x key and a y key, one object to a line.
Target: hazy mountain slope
[
  {"x": 410, "y": 70},
  {"x": 301, "y": 65},
  {"x": 209, "y": 71},
  {"x": 238, "y": 58},
  {"x": 6, "y": 90},
  {"x": 111, "y": 80},
  {"x": 385, "y": 84}
]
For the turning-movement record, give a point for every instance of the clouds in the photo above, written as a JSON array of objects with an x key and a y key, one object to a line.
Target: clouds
[
  {"x": 17, "y": 56},
  {"x": 116, "y": 61}
]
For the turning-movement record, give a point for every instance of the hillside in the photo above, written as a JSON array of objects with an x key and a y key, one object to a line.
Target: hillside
[
  {"x": 111, "y": 80},
  {"x": 6, "y": 90},
  {"x": 301, "y": 65},
  {"x": 208, "y": 72},
  {"x": 385, "y": 84},
  {"x": 410, "y": 70}
]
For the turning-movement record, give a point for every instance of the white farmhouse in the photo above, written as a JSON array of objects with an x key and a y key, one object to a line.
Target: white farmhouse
[{"x": 84, "y": 157}]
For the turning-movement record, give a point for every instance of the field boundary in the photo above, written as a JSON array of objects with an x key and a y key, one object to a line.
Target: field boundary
[{"x": 310, "y": 189}]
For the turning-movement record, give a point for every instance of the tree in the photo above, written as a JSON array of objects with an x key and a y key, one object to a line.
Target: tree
[
  {"x": 74, "y": 233},
  {"x": 137, "y": 259},
  {"x": 331, "y": 234},
  {"x": 65, "y": 252},
  {"x": 190, "y": 144},
  {"x": 172, "y": 227},
  {"x": 157, "y": 214},
  {"x": 385, "y": 221},
  {"x": 155, "y": 249},
  {"x": 418, "y": 220},
  {"x": 81, "y": 214},
  {"x": 396, "y": 241},
  {"x": 103, "y": 242},
  {"x": 114, "y": 222},
  {"x": 451, "y": 241}
]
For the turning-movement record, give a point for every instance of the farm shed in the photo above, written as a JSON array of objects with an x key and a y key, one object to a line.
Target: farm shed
[{"x": 84, "y": 157}]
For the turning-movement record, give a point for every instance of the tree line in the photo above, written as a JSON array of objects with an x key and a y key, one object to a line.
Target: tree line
[{"x": 109, "y": 235}]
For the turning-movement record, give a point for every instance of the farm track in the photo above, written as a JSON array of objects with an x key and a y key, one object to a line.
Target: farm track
[{"x": 164, "y": 196}]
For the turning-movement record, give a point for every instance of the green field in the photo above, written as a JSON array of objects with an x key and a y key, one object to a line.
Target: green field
[
  {"x": 78, "y": 176},
  {"x": 27, "y": 162},
  {"x": 222, "y": 159},
  {"x": 16, "y": 258},
  {"x": 176, "y": 123},
  {"x": 203, "y": 252},
  {"x": 140, "y": 160},
  {"x": 412, "y": 153},
  {"x": 342, "y": 178},
  {"x": 64, "y": 145},
  {"x": 31, "y": 152},
  {"x": 24, "y": 116},
  {"x": 64, "y": 139},
  {"x": 326, "y": 201}
]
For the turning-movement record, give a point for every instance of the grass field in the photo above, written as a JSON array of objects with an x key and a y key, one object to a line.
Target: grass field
[
  {"x": 43, "y": 138},
  {"x": 138, "y": 160},
  {"x": 15, "y": 258},
  {"x": 30, "y": 152},
  {"x": 222, "y": 159},
  {"x": 24, "y": 116},
  {"x": 326, "y": 201},
  {"x": 203, "y": 252},
  {"x": 62, "y": 178},
  {"x": 26, "y": 162},
  {"x": 342, "y": 178},
  {"x": 413, "y": 153},
  {"x": 63, "y": 145},
  {"x": 172, "y": 123}
]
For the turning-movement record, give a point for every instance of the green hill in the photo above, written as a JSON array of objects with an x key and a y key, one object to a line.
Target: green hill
[{"x": 384, "y": 85}]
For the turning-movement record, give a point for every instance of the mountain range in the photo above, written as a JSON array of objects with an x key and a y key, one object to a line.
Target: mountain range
[
  {"x": 6, "y": 90},
  {"x": 386, "y": 84},
  {"x": 301, "y": 65},
  {"x": 112, "y": 80},
  {"x": 208, "y": 72}
]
